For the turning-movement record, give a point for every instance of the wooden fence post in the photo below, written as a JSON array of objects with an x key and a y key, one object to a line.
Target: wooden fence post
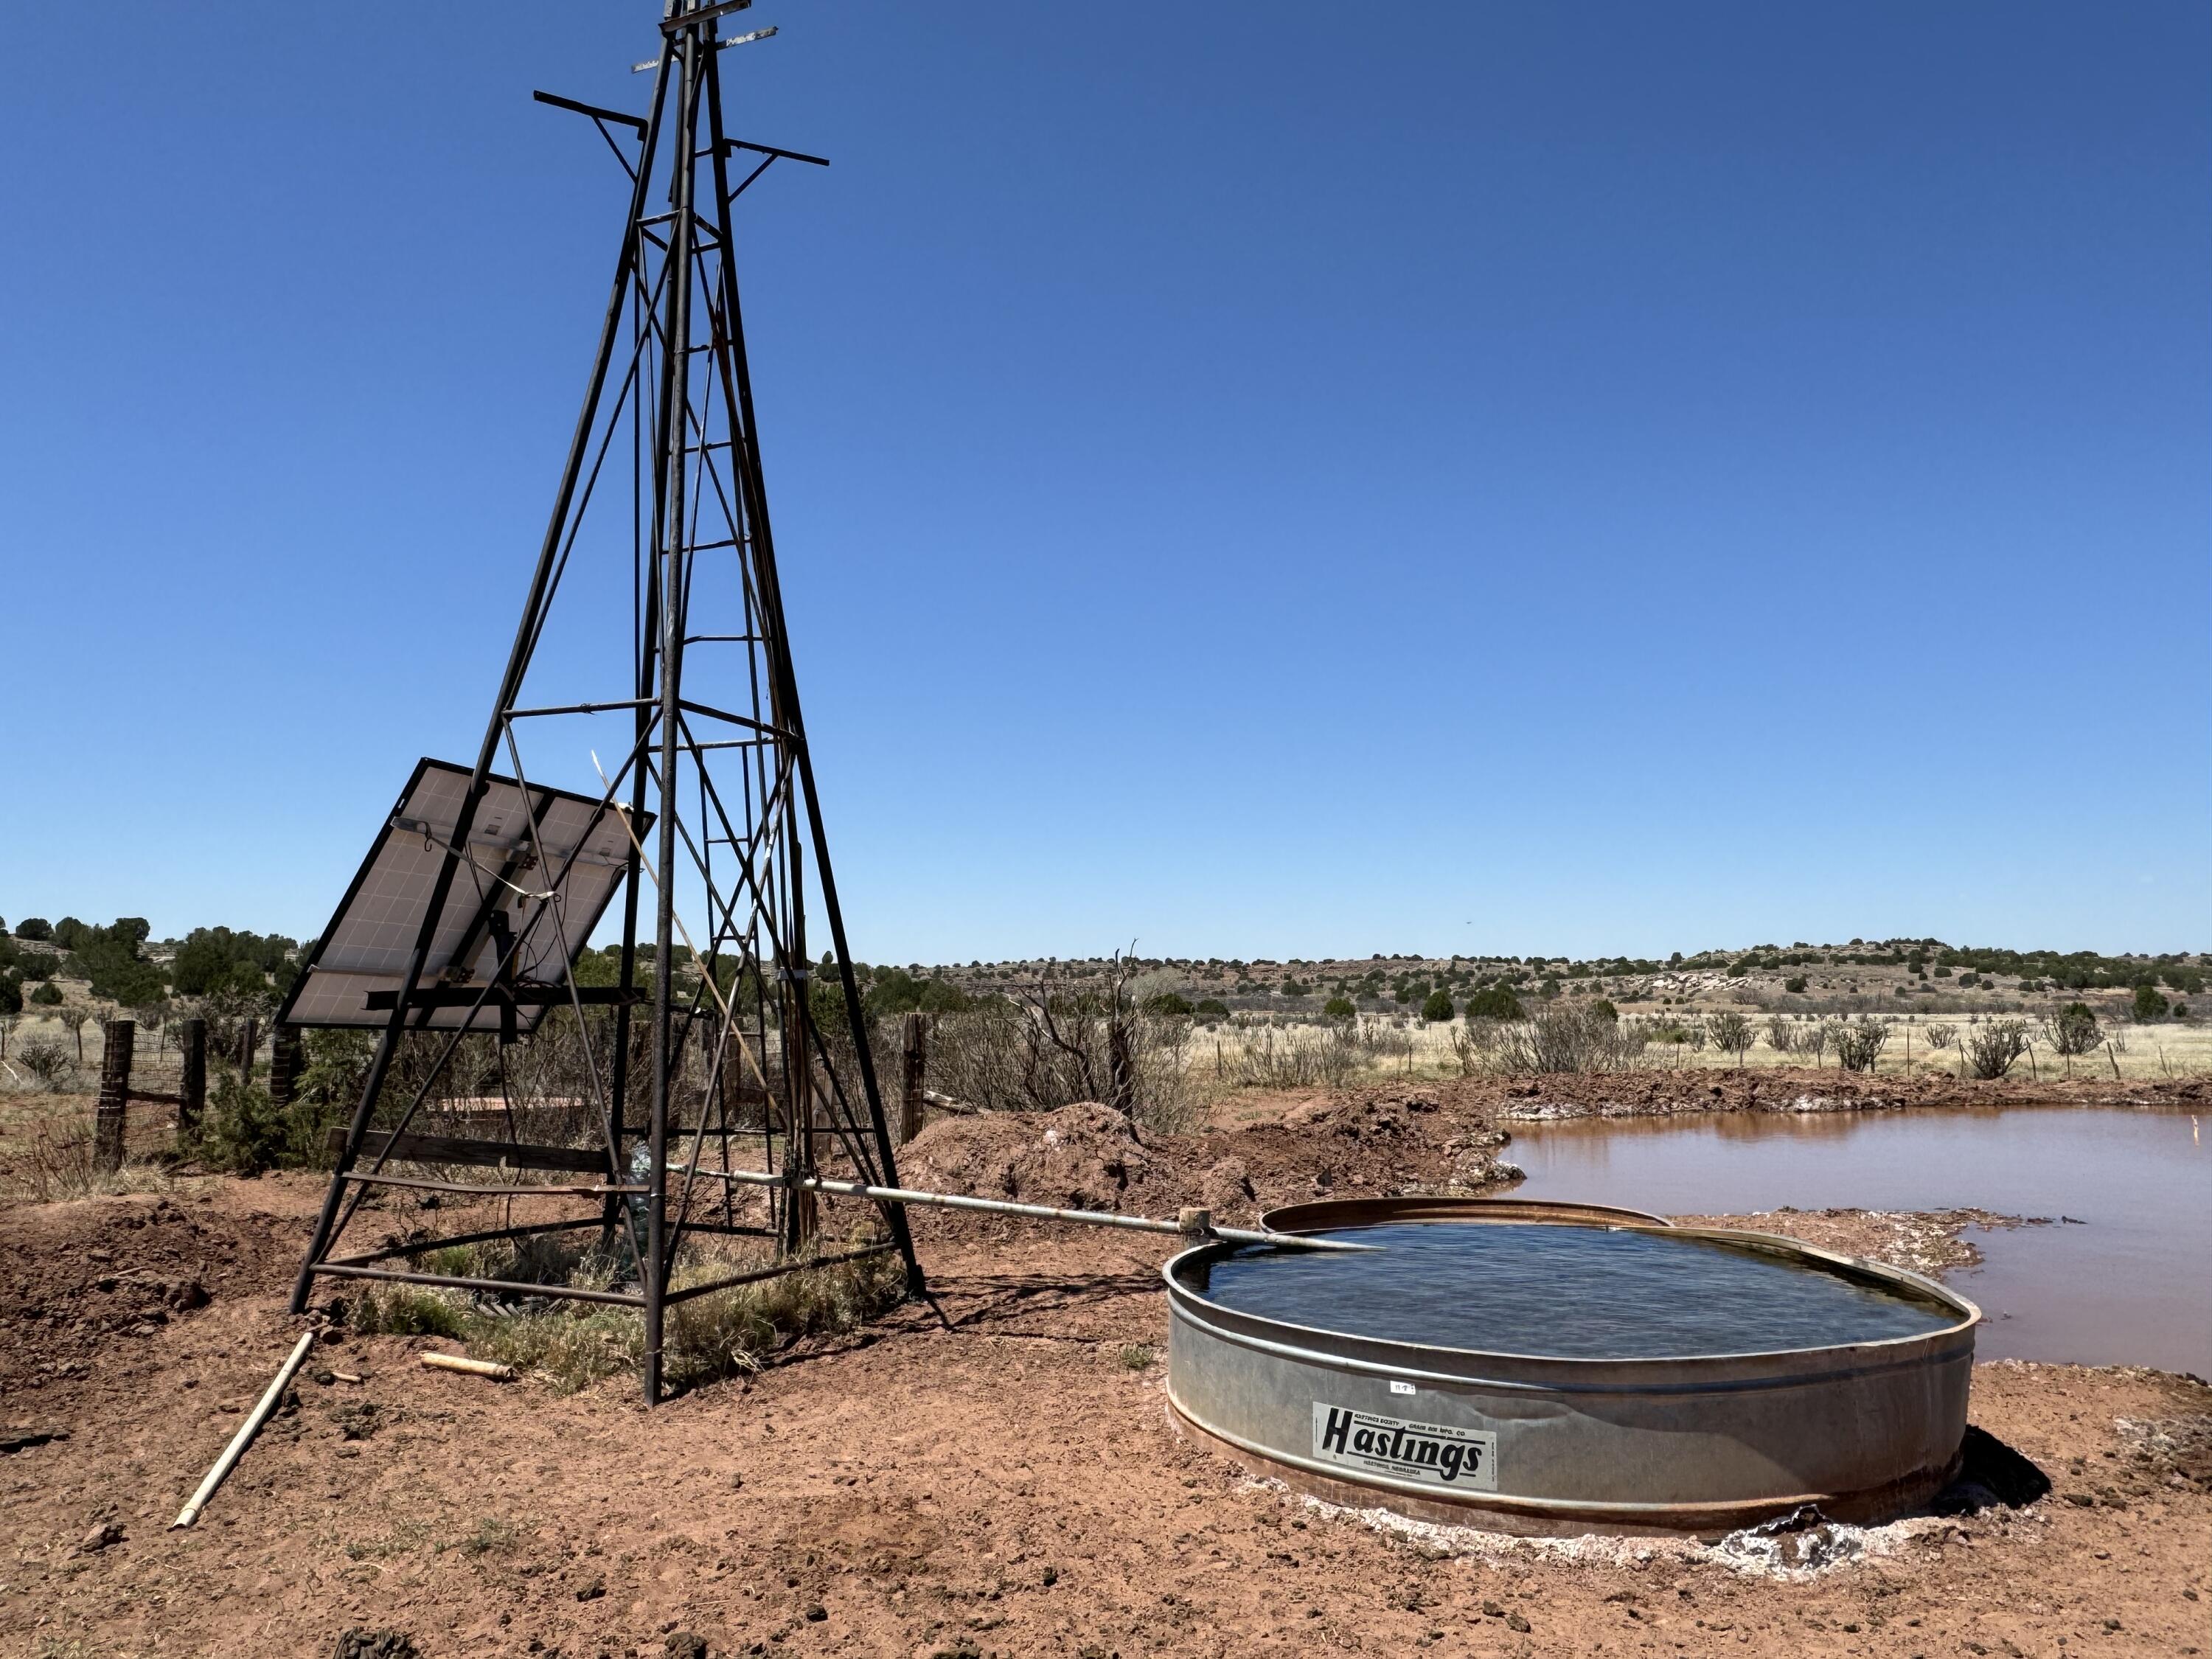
[
  {"x": 914, "y": 1071},
  {"x": 191, "y": 1086},
  {"x": 115, "y": 1097},
  {"x": 284, "y": 1058},
  {"x": 249, "y": 1039}
]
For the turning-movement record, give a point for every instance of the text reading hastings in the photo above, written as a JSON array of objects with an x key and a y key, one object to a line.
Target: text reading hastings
[{"x": 1430, "y": 1452}]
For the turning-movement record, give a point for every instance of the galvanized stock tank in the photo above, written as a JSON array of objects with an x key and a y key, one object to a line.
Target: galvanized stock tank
[{"x": 1575, "y": 1440}]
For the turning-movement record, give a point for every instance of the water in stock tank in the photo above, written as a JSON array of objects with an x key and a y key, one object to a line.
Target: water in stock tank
[{"x": 1569, "y": 1291}]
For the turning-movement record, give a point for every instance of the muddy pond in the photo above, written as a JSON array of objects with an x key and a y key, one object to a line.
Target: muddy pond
[{"x": 2131, "y": 1283}]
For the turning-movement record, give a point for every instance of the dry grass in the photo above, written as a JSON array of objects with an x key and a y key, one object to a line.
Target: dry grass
[
  {"x": 737, "y": 1329},
  {"x": 1233, "y": 1053},
  {"x": 45, "y": 1151},
  {"x": 572, "y": 1346}
]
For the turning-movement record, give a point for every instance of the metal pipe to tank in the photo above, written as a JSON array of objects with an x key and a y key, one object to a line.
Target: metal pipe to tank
[{"x": 1200, "y": 1226}]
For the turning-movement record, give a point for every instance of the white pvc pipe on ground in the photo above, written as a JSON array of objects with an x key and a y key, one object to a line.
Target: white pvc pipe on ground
[{"x": 244, "y": 1438}]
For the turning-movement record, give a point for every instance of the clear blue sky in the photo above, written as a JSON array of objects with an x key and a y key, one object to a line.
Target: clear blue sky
[{"x": 1253, "y": 479}]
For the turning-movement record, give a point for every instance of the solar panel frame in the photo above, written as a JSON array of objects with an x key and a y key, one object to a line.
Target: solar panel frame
[{"x": 371, "y": 934}]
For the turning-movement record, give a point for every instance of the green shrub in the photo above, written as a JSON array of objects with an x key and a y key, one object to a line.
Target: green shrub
[
  {"x": 201, "y": 968},
  {"x": 1335, "y": 1008},
  {"x": 1168, "y": 1004},
  {"x": 109, "y": 957},
  {"x": 2149, "y": 1004},
  {"x": 1493, "y": 1002},
  {"x": 247, "y": 1133},
  {"x": 1603, "y": 1008},
  {"x": 1436, "y": 1005},
  {"x": 1794, "y": 982},
  {"x": 37, "y": 927},
  {"x": 2072, "y": 1030},
  {"x": 896, "y": 991},
  {"x": 1729, "y": 1033},
  {"x": 1990, "y": 1050},
  {"x": 11, "y": 994},
  {"x": 215, "y": 960},
  {"x": 45, "y": 1057},
  {"x": 1858, "y": 1044},
  {"x": 48, "y": 995},
  {"x": 1564, "y": 1039},
  {"x": 243, "y": 1132},
  {"x": 1211, "y": 1008}
]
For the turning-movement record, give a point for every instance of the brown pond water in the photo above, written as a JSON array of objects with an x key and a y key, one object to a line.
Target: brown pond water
[{"x": 2131, "y": 1286}]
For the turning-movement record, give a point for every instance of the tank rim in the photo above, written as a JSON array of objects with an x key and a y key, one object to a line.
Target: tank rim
[{"x": 1433, "y": 1210}]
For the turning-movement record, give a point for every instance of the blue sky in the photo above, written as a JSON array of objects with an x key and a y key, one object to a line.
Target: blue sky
[{"x": 1253, "y": 480}]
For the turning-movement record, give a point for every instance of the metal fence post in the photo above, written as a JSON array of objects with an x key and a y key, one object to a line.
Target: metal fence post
[{"x": 115, "y": 1097}]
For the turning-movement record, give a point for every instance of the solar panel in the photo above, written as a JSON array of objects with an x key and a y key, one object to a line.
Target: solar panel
[{"x": 543, "y": 887}]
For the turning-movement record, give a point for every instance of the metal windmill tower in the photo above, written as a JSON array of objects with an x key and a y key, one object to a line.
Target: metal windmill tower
[{"x": 484, "y": 886}]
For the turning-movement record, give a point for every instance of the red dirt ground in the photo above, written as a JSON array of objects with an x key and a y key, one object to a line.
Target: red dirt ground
[{"x": 1004, "y": 1480}]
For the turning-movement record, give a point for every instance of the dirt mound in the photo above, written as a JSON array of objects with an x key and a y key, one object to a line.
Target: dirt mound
[
  {"x": 1083, "y": 1157},
  {"x": 77, "y": 1279},
  {"x": 1086, "y": 1156},
  {"x": 1371, "y": 1116}
]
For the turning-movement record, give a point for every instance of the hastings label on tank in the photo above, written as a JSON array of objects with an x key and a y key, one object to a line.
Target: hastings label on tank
[{"x": 1432, "y": 1453}]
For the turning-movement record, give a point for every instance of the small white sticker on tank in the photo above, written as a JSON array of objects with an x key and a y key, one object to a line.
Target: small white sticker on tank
[
  {"x": 1397, "y": 1387},
  {"x": 1434, "y": 1453}
]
